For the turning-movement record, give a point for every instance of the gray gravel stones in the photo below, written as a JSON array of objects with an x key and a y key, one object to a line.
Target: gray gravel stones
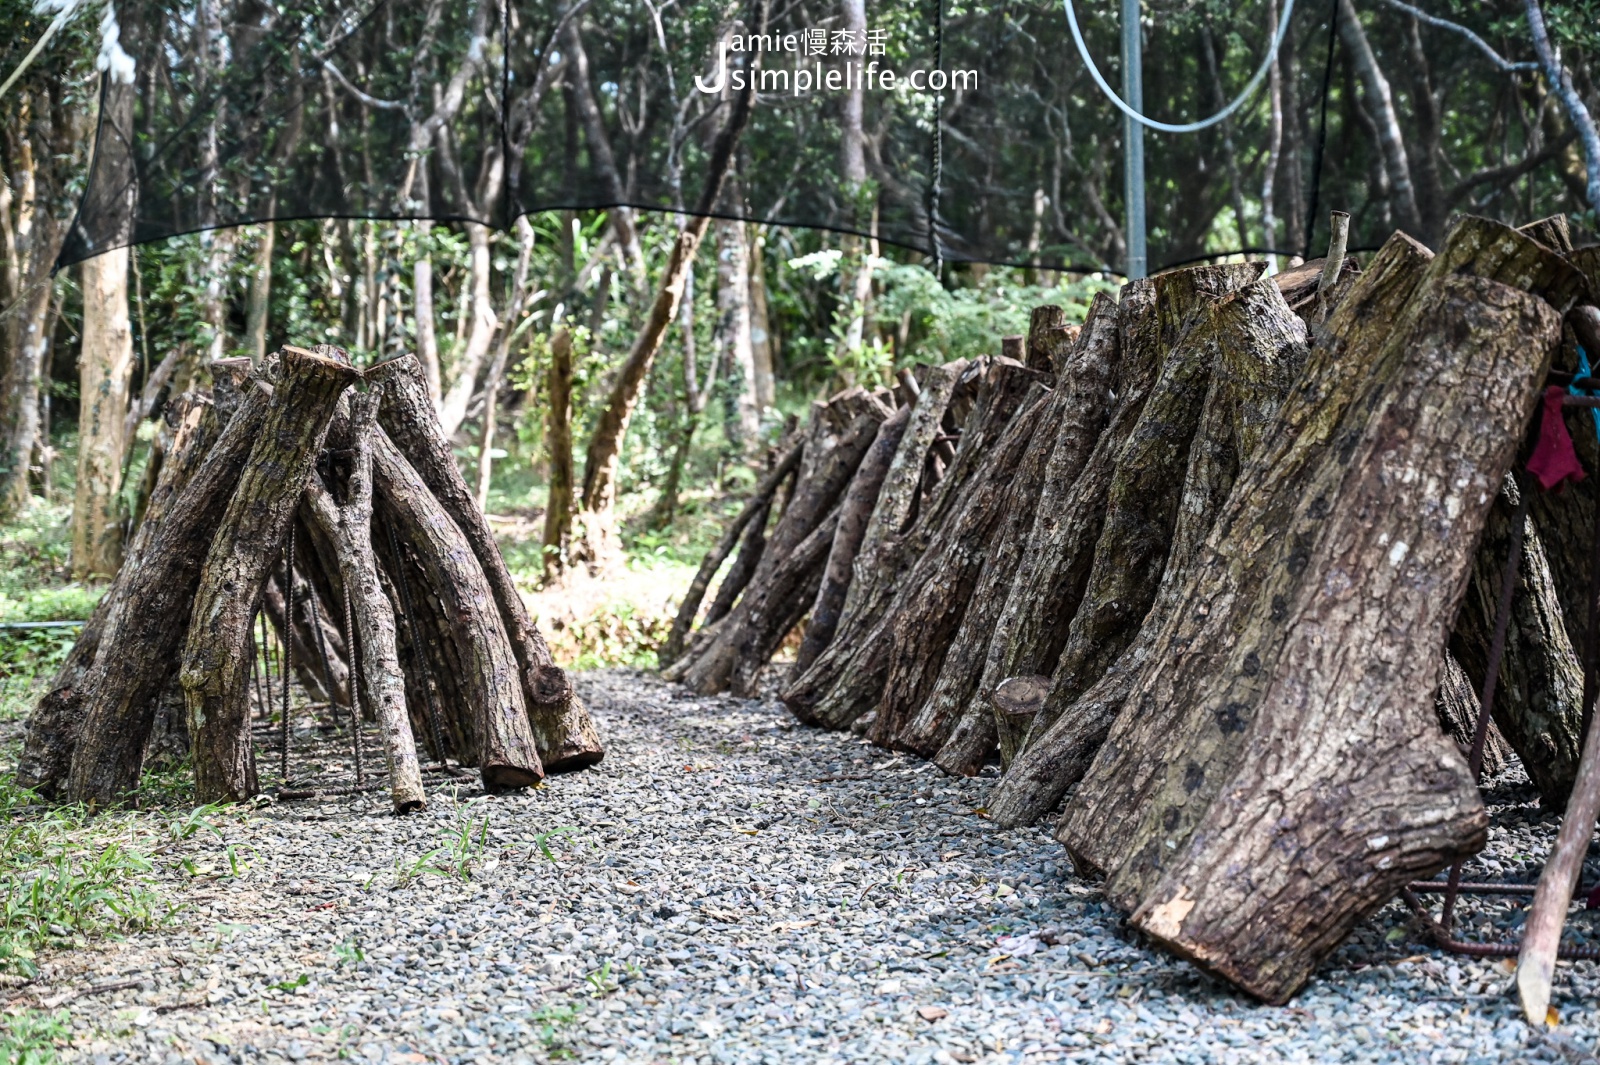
[{"x": 729, "y": 887}]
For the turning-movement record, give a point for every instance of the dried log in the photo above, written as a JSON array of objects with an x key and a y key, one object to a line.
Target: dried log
[
  {"x": 755, "y": 510},
  {"x": 219, "y": 650},
  {"x": 1051, "y": 340},
  {"x": 1298, "y": 636},
  {"x": 1538, "y": 703},
  {"x": 954, "y": 725},
  {"x": 856, "y": 511},
  {"x": 429, "y": 664},
  {"x": 840, "y": 433},
  {"x": 561, "y": 725},
  {"x": 1072, "y": 513},
  {"x": 1456, "y": 703},
  {"x": 1256, "y": 346},
  {"x": 319, "y": 665},
  {"x": 847, "y": 679},
  {"x": 1245, "y": 559},
  {"x": 139, "y": 644},
  {"x": 925, "y": 620},
  {"x": 52, "y": 728},
  {"x": 349, "y": 526},
  {"x": 487, "y": 670}
]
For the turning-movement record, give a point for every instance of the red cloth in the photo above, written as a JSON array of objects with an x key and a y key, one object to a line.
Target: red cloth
[{"x": 1553, "y": 461}]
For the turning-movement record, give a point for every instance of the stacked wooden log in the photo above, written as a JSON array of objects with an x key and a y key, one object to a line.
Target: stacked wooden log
[
  {"x": 325, "y": 499},
  {"x": 1221, "y": 564}
]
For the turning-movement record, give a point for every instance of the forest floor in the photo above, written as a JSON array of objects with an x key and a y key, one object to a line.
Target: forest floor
[{"x": 726, "y": 886}]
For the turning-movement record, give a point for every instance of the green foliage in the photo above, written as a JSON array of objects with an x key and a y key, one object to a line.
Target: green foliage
[
  {"x": 65, "y": 880},
  {"x": 549, "y": 1021},
  {"x": 32, "y": 1037}
]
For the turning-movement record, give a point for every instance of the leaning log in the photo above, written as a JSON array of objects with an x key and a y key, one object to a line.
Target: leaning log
[
  {"x": 561, "y": 725},
  {"x": 1337, "y": 566},
  {"x": 349, "y": 525},
  {"x": 219, "y": 649},
  {"x": 488, "y": 672},
  {"x": 141, "y": 641},
  {"x": 52, "y": 728}
]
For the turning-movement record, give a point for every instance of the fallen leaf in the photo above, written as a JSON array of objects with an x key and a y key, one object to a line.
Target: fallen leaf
[
  {"x": 1551, "y": 1017},
  {"x": 932, "y": 1013}
]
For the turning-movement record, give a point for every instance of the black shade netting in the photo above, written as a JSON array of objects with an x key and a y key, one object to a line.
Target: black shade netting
[{"x": 485, "y": 109}]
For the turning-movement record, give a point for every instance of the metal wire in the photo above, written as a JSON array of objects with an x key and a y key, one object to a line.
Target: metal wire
[
  {"x": 287, "y": 643},
  {"x": 355, "y": 696}
]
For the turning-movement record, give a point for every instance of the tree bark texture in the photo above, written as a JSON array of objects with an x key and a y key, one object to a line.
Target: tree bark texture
[
  {"x": 52, "y": 728},
  {"x": 855, "y": 513},
  {"x": 219, "y": 649},
  {"x": 1457, "y": 704},
  {"x": 350, "y": 527},
  {"x": 1350, "y": 692},
  {"x": 486, "y": 668},
  {"x": 562, "y": 728},
  {"x": 558, "y": 451},
  {"x": 847, "y": 679},
  {"x": 105, "y": 364},
  {"x": 1255, "y": 345},
  {"x": 840, "y": 433},
  {"x": 1245, "y": 559},
  {"x": 1538, "y": 701},
  {"x": 1317, "y": 619}
]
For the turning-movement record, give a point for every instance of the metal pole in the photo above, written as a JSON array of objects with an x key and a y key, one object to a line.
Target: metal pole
[{"x": 1133, "y": 141}]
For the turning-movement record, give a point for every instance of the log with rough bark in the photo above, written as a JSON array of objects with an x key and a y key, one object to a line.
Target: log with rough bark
[
  {"x": 486, "y": 668},
  {"x": 846, "y": 681},
  {"x": 52, "y": 728},
  {"x": 1457, "y": 705},
  {"x": 562, "y": 728},
  {"x": 1079, "y": 506},
  {"x": 1538, "y": 701},
  {"x": 219, "y": 646},
  {"x": 1310, "y": 651},
  {"x": 349, "y": 525},
  {"x": 854, "y": 515},
  {"x": 837, "y": 439},
  {"x": 140, "y": 642},
  {"x": 1255, "y": 345},
  {"x": 755, "y": 510},
  {"x": 953, "y": 726},
  {"x": 892, "y": 540},
  {"x": 317, "y": 648}
]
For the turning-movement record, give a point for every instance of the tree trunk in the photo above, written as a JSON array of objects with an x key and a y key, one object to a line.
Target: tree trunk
[
  {"x": 955, "y": 726},
  {"x": 558, "y": 450},
  {"x": 1377, "y": 97},
  {"x": 854, "y": 513},
  {"x": 350, "y": 527},
  {"x": 497, "y": 366},
  {"x": 761, "y": 339},
  {"x": 1349, "y": 690},
  {"x": 1295, "y": 574},
  {"x": 755, "y": 510},
  {"x": 105, "y": 364},
  {"x": 561, "y": 726},
  {"x": 255, "y": 329},
  {"x": 53, "y": 726},
  {"x": 1457, "y": 705},
  {"x": 733, "y": 332},
  {"x": 309, "y": 642},
  {"x": 1538, "y": 702},
  {"x": 422, "y": 307},
  {"x": 480, "y": 334},
  {"x": 219, "y": 648},
  {"x": 1255, "y": 346}
]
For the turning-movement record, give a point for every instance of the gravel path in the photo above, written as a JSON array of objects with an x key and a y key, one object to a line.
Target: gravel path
[{"x": 727, "y": 887}]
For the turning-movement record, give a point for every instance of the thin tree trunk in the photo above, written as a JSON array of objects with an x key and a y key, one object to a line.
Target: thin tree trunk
[
  {"x": 350, "y": 527},
  {"x": 502, "y": 352},
  {"x": 733, "y": 332},
  {"x": 761, "y": 339},
  {"x": 1559, "y": 79},
  {"x": 255, "y": 330},
  {"x": 480, "y": 334},
  {"x": 559, "y": 502},
  {"x": 422, "y": 308},
  {"x": 1380, "y": 103},
  {"x": 105, "y": 364}
]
